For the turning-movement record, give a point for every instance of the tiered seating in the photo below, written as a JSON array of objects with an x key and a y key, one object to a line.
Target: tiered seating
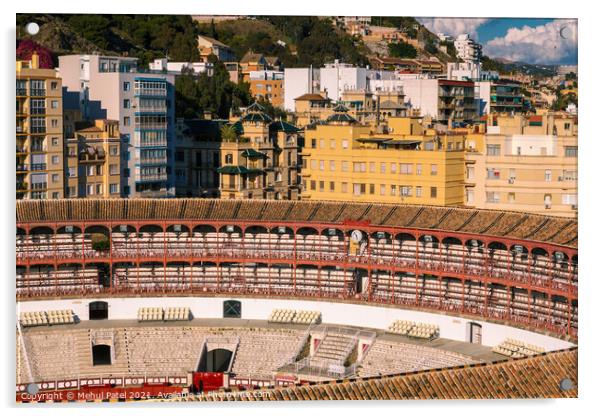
[
  {"x": 282, "y": 316},
  {"x": 150, "y": 314},
  {"x": 414, "y": 329},
  {"x": 389, "y": 357},
  {"x": 59, "y": 317},
  {"x": 33, "y": 318},
  {"x": 295, "y": 317},
  {"x": 177, "y": 314},
  {"x": 307, "y": 317},
  {"x": 517, "y": 349}
]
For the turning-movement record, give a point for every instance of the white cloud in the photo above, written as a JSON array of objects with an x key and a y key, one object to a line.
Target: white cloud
[
  {"x": 453, "y": 26},
  {"x": 546, "y": 44}
]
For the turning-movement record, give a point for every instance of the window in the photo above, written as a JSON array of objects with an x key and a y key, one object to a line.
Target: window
[
  {"x": 55, "y": 141},
  {"x": 405, "y": 168},
  {"x": 321, "y": 143},
  {"x": 332, "y": 166},
  {"x": 567, "y": 126},
  {"x": 313, "y": 143},
  {"x": 547, "y": 201},
  {"x": 569, "y": 175},
  {"x": 371, "y": 189},
  {"x": 469, "y": 196},
  {"x": 344, "y": 187},
  {"x": 548, "y": 175},
  {"x": 229, "y": 158},
  {"x": 405, "y": 190},
  {"x": 492, "y": 197},
  {"x": 331, "y": 186},
  {"x": 383, "y": 167},
  {"x": 419, "y": 192},
  {"x": 54, "y": 104},
  {"x": 90, "y": 190},
  {"x": 54, "y": 85},
  {"x": 569, "y": 199},
  {"x": 321, "y": 186},
  {"x": 512, "y": 174},
  {"x": 126, "y": 103},
  {"x": 314, "y": 164},
  {"x": 359, "y": 167},
  {"x": 345, "y": 143},
  {"x": 433, "y": 192},
  {"x": 55, "y": 177},
  {"x": 98, "y": 189},
  {"x": 54, "y": 122},
  {"x": 332, "y": 144},
  {"x": 493, "y": 173},
  {"x": 113, "y": 150},
  {"x": 359, "y": 189},
  {"x": 433, "y": 169},
  {"x": 126, "y": 86},
  {"x": 344, "y": 166},
  {"x": 71, "y": 172},
  {"x": 55, "y": 195},
  {"x": 419, "y": 169},
  {"x": 55, "y": 160},
  {"x": 470, "y": 172},
  {"x": 383, "y": 189},
  {"x": 493, "y": 150},
  {"x": 511, "y": 197},
  {"x": 126, "y": 121},
  {"x": 90, "y": 171},
  {"x": 393, "y": 187},
  {"x": 570, "y": 151},
  {"x": 313, "y": 185},
  {"x": 321, "y": 165},
  {"x": 179, "y": 156},
  {"x": 114, "y": 188},
  {"x": 393, "y": 167}
]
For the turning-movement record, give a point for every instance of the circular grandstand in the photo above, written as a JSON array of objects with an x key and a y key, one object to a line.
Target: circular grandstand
[{"x": 149, "y": 297}]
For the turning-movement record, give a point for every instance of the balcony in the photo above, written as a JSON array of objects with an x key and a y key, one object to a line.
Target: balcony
[
  {"x": 154, "y": 161},
  {"x": 38, "y": 166},
  {"x": 21, "y": 149},
  {"x": 150, "y": 92},
  {"x": 22, "y": 168},
  {"x": 21, "y": 186},
  {"x": 39, "y": 186},
  {"x": 153, "y": 178},
  {"x": 38, "y": 148},
  {"x": 37, "y": 92},
  {"x": 21, "y": 92},
  {"x": 38, "y": 111},
  {"x": 151, "y": 126},
  {"x": 38, "y": 130}
]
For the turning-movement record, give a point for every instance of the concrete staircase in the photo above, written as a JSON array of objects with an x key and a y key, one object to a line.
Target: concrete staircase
[
  {"x": 120, "y": 364},
  {"x": 333, "y": 350}
]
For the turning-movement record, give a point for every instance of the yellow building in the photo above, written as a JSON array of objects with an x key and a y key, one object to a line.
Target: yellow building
[
  {"x": 525, "y": 163},
  {"x": 39, "y": 133},
  {"x": 94, "y": 161},
  {"x": 398, "y": 162}
]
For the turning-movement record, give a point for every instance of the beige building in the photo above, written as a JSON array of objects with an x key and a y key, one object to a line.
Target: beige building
[
  {"x": 525, "y": 163},
  {"x": 39, "y": 132},
  {"x": 94, "y": 161},
  {"x": 259, "y": 158}
]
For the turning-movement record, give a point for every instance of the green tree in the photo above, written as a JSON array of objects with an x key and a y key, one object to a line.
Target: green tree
[{"x": 402, "y": 49}]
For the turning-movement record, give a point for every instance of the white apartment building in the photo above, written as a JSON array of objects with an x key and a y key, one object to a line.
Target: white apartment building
[
  {"x": 467, "y": 49},
  {"x": 163, "y": 65},
  {"x": 299, "y": 81}
]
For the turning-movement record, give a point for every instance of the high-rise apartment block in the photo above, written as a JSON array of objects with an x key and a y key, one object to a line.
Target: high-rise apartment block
[
  {"x": 111, "y": 87},
  {"x": 39, "y": 132}
]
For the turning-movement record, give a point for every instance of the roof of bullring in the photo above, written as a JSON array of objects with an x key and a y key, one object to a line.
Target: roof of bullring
[
  {"x": 539, "y": 376},
  {"x": 518, "y": 225}
]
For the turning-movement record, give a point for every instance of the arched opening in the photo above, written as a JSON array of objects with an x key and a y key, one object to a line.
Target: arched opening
[
  {"x": 101, "y": 354},
  {"x": 232, "y": 309},
  {"x": 98, "y": 310},
  {"x": 216, "y": 361}
]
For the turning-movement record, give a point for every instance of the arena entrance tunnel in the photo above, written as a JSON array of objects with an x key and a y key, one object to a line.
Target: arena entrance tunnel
[
  {"x": 101, "y": 354},
  {"x": 215, "y": 361}
]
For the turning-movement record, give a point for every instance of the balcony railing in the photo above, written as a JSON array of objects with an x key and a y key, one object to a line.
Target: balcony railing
[
  {"x": 38, "y": 166},
  {"x": 153, "y": 178},
  {"x": 38, "y": 110},
  {"x": 21, "y": 92},
  {"x": 38, "y": 129},
  {"x": 151, "y": 126},
  {"x": 22, "y": 186},
  {"x": 37, "y": 92},
  {"x": 38, "y": 148},
  {"x": 22, "y": 167},
  {"x": 154, "y": 161},
  {"x": 39, "y": 185}
]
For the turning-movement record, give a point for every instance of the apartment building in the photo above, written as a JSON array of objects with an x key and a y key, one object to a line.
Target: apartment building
[
  {"x": 94, "y": 161},
  {"x": 39, "y": 132},
  {"x": 259, "y": 158},
  {"x": 198, "y": 157},
  {"x": 269, "y": 85},
  {"x": 310, "y": 108},
  {"x": 467, "y": 49},
  {"x": 501, "y": 96},
  {"x": 443, "y": 100},
  {"x": 208, "y": 46},
  {"x": 525, "y": 163},
  {"x": 399, "y": 161},
  {"x": 142, "y": 101}
]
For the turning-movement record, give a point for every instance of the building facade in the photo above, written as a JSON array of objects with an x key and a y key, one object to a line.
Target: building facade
[
  {"x": 399, "y": 162},
  {"x": 39, "y": 132},
  {"x": 269, "y": 85},
  {"x": 467, "y": 49},
  {"x": 94, "y": 162},
  {"x": 143, "y": 103},
  {"x": 525, "y": 163}
]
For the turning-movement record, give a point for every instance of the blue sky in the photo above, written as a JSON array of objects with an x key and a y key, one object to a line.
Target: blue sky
[{"x": 531, "y": 40}]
